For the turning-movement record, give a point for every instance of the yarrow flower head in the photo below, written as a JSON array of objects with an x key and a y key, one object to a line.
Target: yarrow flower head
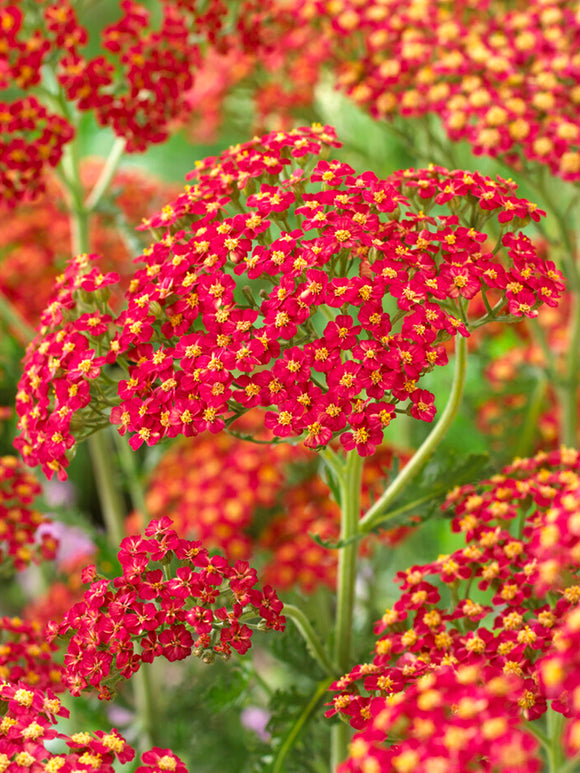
[
  {"x": 299, "y": 287},
  {"x": 136, "y": 84},
  {"x": 503, "y": 78},
  {"x": 502, "y": 657},
  {"x": 171, "y": 616}
]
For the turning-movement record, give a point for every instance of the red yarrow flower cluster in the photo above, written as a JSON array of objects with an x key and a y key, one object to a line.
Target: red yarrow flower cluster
[
  {"x": 28, "y": 728},
  {"x": 454, "y": 719},
  {"x": 510, "y": 632},
  {"x": 204, "y": 341},
  {"x": 31, "y": 139},
  {"x": 136, "y": 84},
  {"x": 200, "y": 608},
  {"x": 54, "y": 397},
  {"x": 19, "y": 520}
]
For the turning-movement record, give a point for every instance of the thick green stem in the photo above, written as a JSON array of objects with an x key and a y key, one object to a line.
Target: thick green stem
[
  {"x": 350, "y": 488},
  {"x": 376, "y": 514},
  {"x": 315, "y": 646},
  {"x": 111, "y": 501}
]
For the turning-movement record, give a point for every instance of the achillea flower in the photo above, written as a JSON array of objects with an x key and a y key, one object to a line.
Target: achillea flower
[
  {"x": 503, "y": 656},
  {"x": 136, "y": 83},
  {"x": 21, "y": 542},
  {"x": 202, "y": 342},
  {"x": 170, "y": 617}
]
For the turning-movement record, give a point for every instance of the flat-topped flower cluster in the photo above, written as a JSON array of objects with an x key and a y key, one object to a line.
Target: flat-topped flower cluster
[
  {"x": 173, "y": 599},
  {"x": 454, "y": 681},
  {"x": 502, "y": 77},
  {"x": 288, "y": 284},
  {"x": 137, "y": 82}
]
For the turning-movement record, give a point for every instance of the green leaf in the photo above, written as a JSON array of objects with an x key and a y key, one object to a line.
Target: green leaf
[
  {"x": 300, "y": 740},
  {"x": 290, "y": 648},
  {"x": 429, "y": 489},
  {"x": 224, "y": 693}
]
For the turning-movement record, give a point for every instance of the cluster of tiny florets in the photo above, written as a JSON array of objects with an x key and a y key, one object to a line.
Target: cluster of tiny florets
[
  {"x": 26, "y": 656},
  {"x": 173, "y": 599},
  {"x": 289, "y": 284},
  {"x": 28, "y": 729},
  {"x": 504, "y": 78},
  {"x": 435, "y": 634},
  {"x": 137, "y": 83}
]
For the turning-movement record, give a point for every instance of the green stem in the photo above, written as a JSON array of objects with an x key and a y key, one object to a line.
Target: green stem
[
  {"x": 106, "y": 175},
  {"x": 131, "y": 473},
  {"x": 350, "y": 488},
  {"x": 554, "y": 750},
  {"x": 536, "y": 401},
  {"x": 112, "y": 504},
  {"x": 315, "y": 646},
  {"x": 143, "y": 692},
  {"x": 376, "y": 512},
  {"x": 308, "y": 710}
]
